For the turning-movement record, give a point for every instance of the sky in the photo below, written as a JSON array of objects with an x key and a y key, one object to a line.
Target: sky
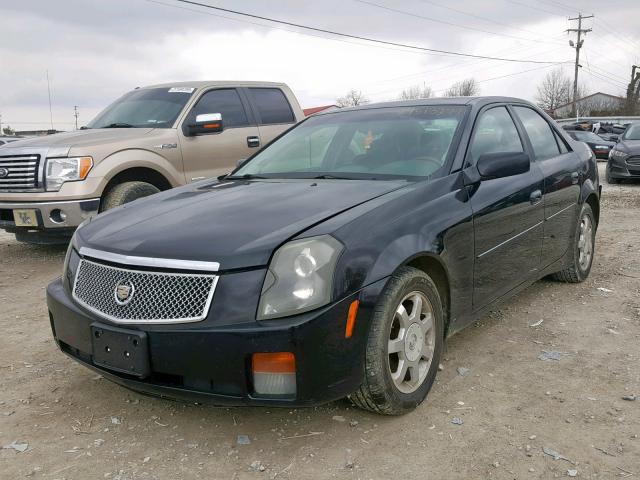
[{"x": 96, "y": 50}]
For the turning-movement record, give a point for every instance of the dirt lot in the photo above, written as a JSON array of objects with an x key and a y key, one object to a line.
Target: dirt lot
[{"x": 512, "y": 404}]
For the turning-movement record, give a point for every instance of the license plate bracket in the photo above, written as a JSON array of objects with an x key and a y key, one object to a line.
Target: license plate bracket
[
  {"x": 25, "y": 217},
  {"x": 122, "y": 350}
]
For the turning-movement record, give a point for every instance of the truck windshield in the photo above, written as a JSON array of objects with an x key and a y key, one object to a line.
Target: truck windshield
[
  {"x": 144, "y": 108},
  {"x": 377, "y": 143}
]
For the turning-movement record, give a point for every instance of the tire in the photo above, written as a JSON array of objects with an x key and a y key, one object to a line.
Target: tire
[
  {"x": 126, "y": 192},
  {"x": 379, "y": 392},
  {"x": 580, "y": 267}
]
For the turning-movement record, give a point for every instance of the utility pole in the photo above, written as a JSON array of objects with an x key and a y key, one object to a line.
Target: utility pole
[
  {"x": 633, "y": 91},
  {"x": 75, "y": 114},
  {"x": 49, "y": 92},
  {"x": 0, "y": 124},
  {"x": 577, "y": 46}
]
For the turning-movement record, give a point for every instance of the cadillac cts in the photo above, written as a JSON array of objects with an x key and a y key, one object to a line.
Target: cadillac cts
[{"x": 333, "y": 263}]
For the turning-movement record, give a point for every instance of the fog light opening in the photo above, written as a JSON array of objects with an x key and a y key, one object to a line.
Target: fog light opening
[
  {"x": 274, "y": 374},
  {"x": 57, "y": 216}
]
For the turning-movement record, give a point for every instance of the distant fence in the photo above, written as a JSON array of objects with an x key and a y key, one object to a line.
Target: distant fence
[{"x": 621, "y": 120}]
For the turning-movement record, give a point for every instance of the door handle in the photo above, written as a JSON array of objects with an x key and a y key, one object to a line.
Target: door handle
[
  {"x": 253, "y": 142},
  {"x": 535, "y": 197}
]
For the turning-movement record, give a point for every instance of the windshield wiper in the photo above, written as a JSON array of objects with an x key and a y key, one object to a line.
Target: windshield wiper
[
  {"x": 118, "y": 125},
  {"x": 246, "y": 176},
  {"x": 328, "y": 176}
]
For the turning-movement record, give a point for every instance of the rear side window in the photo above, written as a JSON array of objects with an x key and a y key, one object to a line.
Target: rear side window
[
  {"x": 226, "y": 102},
  {"x": 562, "y": 145},
  {"x": 539, "y": 132},
  {"x": 272, "y": 106},
  {"x": 495, "y": 133}
]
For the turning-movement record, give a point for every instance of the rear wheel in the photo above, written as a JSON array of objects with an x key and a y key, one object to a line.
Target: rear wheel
[
  {"x": 126, "y": 192},
  {"x": 583, "y": 249},
  {"x": 404, "y": 346}
]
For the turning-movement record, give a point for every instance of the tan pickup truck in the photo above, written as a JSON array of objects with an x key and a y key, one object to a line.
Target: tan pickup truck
[{"x": 151, "y": 139}]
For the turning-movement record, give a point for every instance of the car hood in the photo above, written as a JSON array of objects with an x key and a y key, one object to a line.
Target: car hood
[
  {"x": 235, "y": 223},
  {"x": 80, "y": 138},
  {"x": 631, "y": 146}
]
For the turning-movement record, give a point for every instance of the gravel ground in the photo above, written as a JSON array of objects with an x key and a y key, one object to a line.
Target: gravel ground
[{"x": 72, "y": 424}]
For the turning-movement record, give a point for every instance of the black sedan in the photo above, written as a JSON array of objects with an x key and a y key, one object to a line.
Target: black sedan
[
  {"x": 597, "y": 144},
  {"x": 336, "y": 261},
  {"x": 624, "y": 159}
]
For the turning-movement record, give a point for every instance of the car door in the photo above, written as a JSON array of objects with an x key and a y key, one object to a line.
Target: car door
[
  {"x": 507, "y": 212},
  {"x": 560, "y": 168},
  {"x": 212, "y": 154},
  {"x": 272, "y": 110}
]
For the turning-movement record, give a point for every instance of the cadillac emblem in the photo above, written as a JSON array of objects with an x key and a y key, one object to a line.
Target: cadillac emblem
[
  {"x": 4, "y": 172},
  {"x": 124, "y": 292}
]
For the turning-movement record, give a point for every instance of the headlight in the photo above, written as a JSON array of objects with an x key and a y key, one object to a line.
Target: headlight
[
  {"x": 299, "y": 277},
  {"x": 620, "y": 155},
  {"x": 60, "y": 170}
]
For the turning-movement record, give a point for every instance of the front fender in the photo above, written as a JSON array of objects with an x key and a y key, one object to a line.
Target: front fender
[{"x": 123, "y": 160}]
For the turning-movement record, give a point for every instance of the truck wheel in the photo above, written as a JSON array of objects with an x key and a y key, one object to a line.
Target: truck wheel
[
  {"x": 583, "y": 249},
  {"x": 404, "y": 347},
  {"x": 126, "y": 192}
]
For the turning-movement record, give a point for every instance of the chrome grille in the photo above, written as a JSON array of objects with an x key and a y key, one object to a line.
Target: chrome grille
[
  {"x": 635, "y": 161},
  {"x": 20, "y": 172},
  {"x": 156, "y": 297}
]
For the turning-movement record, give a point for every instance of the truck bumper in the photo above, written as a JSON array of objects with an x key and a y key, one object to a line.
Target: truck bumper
[{"x": 48, "y": 215}]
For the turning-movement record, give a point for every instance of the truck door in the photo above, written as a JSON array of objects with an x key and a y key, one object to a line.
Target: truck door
[
  {"x": 273, "y": 111},
  {"x": 212, "y": 154}
]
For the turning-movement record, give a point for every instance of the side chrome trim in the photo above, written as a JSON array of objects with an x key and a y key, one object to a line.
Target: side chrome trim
[
  {"x": 150, "y": 261},
  {"x": 510, "y": 239},
  {"x": 560, "y": 211}
]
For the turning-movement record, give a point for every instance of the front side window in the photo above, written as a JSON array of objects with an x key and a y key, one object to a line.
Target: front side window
[
  {"x": 539, "y": 131},
  {"x": 144, "y": 108},
  {"x": 225, "y": 102},
  {"x": 272, "y": 105},
  {"x": 495, "y": 133},
  {"x": 376, "y": 144},
  {"x": 632, "y": 132}
]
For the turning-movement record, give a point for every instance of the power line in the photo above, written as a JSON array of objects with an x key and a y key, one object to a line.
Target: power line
[
  {"x": 535, "y": 8},
  {"x": 429, "y": 19},
  {"x": 358, "y": 37}
]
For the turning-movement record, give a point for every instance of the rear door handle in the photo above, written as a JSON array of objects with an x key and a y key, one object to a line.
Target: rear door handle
[
  {"x": 253, "y": 142},
  {"x": 535, "y": 197}
]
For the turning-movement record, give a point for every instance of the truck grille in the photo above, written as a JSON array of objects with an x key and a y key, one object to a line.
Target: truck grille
[
  {"x": 19, "y": 172},
  {"x": 138, "y": 296}
]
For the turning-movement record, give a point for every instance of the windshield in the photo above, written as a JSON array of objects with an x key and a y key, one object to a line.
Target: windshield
[
  {"x": 586, "y": 136},
  {"x": 633, "y": 132},
  {"x": 377, "y": 143},
  {"x": 144, "y": 108}
]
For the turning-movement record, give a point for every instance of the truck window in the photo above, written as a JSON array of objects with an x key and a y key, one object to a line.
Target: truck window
[
  {"x": 224, "y": 101},
  {"x": 272, "y": 106}
]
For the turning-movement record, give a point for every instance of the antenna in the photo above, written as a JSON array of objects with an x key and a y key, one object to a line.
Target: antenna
[{"x": 50, "y": 110}]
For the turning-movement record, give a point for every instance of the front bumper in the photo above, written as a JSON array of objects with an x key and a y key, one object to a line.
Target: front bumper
[
  {"x": 212, "y": 364},
  {"x": 47, "y": 214}
]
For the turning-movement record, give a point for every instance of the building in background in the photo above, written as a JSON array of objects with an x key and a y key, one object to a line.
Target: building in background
[{"x": 596, "y": 104}]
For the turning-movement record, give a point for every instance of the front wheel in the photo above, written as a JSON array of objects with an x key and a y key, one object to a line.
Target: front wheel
[
  {"x": 582, "y": 249},
  {"x": 405, "y": 345},
  {"x": 126, "y": 192}
]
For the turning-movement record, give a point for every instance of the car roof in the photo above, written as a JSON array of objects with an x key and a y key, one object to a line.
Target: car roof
[
  {"x": 215, "y": 83},
  {"x": 476, "y": 101}
]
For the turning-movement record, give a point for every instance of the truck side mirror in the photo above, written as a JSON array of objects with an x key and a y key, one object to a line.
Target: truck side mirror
[{"x": 204, "y": 124}]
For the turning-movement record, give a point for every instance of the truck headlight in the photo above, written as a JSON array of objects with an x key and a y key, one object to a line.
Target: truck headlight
[
  {"x": 299, "y": 277},
  {"x": 61, "y": 170}
]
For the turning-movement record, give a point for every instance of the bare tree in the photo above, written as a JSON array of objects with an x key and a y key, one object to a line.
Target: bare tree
[
  {"x": 353, "y": 98},
  {"x": 416, "y": 92},
  {"x": 557, "y": 89},
  {"x": 464, "y": 88}
]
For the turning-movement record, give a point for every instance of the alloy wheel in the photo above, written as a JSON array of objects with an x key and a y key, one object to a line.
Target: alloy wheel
[
  {"x": 585, "y": 243},
  {"x": 411, "y": 342}
]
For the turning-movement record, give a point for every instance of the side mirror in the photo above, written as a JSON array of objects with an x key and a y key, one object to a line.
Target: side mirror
[
  {"x": 204, "y": 124},
  {"x": 503, "y": 164}
]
